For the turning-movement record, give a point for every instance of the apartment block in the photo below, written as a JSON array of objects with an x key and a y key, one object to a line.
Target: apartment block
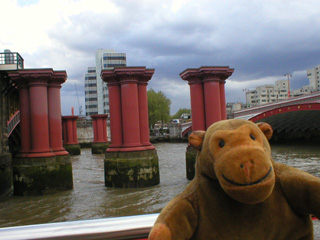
[
  {"x": 96, "y": 91},
  {"x": 314, "y": 78},
  {"x": 268, "y": 93}
]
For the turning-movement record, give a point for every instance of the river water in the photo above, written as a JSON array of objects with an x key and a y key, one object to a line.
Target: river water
[{"x": 90, "y": 199}]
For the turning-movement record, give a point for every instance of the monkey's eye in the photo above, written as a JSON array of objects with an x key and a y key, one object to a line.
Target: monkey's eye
[
  {"x": 252, "y": 137},
  {"x": 221, "y": 143}
]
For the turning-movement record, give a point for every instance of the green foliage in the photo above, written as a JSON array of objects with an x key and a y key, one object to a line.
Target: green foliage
[
  {"x": 158, "y": 107},
  {"x": 180, "y": 112}
]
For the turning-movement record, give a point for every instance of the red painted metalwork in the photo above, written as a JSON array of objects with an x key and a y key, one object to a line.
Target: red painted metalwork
[
  {"x": 24, "y": 120},
  {"x": 54, "y": 109},
  {"x": 70, "y": 130},
  {"x": 313, "y": 97},
  {"x": 130, "y": 113},
  {"x": 40, "y": 111},
  {"x": 223, "y": 100},
  {"x": 197, "y": 105},
  {"x": 128, "y": 108},
  {"x": 212, "y": 101},
  {"x": 13, "y": 122},
  {"x": 207, "y": 94},
  {"x": 115, "y": 112},
  {"x": 290, "y": 108},
  {"x": 100, "y": 128},
  {"x": 143, "y": 111}
]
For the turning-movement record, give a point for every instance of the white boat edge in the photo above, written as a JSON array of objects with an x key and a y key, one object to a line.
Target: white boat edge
[{"x": 131, "y": 227}]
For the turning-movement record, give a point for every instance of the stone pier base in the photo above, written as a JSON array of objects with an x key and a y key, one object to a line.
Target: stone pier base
[
  {"x": 191, "y": 155},
  {"x": 131, "y": 169},
  {"x": 99, "y": 147},
  {"x": 73, "y": 149},
  {"x": 42, "y": 175},
  {"x": 6, "y": 182}
]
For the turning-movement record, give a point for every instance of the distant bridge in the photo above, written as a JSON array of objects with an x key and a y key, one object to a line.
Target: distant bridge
[{"x": 297, "y": 117}]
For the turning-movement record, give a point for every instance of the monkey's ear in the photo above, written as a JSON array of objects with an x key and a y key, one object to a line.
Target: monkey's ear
[
  {"x": 266, "y": 129},
  {"x": 196, "y": 139}
]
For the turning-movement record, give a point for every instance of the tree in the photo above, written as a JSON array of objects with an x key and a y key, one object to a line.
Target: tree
[
  {"x": 158, "y": 107},
  {"x": 180, "y": 112}
]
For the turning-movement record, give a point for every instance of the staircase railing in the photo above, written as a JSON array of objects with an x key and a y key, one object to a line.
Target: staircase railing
[{"x": 13, "y": 122}]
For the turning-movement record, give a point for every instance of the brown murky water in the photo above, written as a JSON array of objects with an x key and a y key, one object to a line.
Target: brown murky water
[{"x": 90, "y": 199}]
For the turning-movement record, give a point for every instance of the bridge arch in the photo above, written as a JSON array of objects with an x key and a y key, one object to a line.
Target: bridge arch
[{"x": 297, "y": 121}]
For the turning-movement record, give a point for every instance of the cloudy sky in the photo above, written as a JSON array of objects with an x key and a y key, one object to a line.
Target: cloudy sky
[{"x": 261, "y": 39}]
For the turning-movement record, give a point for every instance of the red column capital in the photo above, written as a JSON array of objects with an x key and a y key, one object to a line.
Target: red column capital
[
  {"x": 207, "y": 84},
  {"x": 215, "y": 73}
]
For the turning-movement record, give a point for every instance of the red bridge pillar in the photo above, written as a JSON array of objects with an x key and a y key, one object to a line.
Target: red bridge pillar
[
  {"x": 24, "y": 118},
  {"x": 129, "y": 129},
  {"x": 42, "y": 154},
  {"x": 100, "y": 140},
  {"x": 208, "y": 101},
  {"x": 70, "y": 137},
  {"x": 54, "y": 109},
  {"x": 143, "y": 110}
]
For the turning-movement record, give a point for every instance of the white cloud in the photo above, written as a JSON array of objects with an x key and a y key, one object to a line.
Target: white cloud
[{"x": 261, "y": 39}]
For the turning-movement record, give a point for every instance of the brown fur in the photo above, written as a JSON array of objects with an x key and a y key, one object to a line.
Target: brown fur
[{"x": 239, "y": 192}]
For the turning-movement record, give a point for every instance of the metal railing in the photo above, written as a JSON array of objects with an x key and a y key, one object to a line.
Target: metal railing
[
  {"x": 13, "y": 122},
  {"x": 132, "y": 227},
  {"x": 11, "y": 61}
]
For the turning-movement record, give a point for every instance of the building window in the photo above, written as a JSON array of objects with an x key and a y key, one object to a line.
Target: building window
[
  {"x": 91, "y": 99},
  {"x": 90, "y": 92},
  {"x": 90, "y": 85},
  {"x": 114, "y": 58},
  {"x": 92, "y": 106},
  {"x": 91, "y": 78},
  {"x": 110, "y": 65}
]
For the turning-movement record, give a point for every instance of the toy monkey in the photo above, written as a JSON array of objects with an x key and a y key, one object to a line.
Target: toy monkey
[{"x": 239, "y": 192}]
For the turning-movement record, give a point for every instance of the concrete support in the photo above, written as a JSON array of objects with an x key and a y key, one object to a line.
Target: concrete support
[
  {"x": 70, "y": 138},
  {"x": 42, "y": 166},
  {"x": 100, "y": 139},
  {"x": 208, "y": 102},
  {"x": 131, "y": 160}
]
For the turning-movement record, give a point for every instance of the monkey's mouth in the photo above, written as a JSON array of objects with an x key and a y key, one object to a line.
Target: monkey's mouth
[{"x": 248, "y": 184}]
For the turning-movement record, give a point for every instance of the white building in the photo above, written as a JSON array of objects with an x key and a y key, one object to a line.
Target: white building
[
  {"x": 267, "y": 93},
  {"x": 301, "y": 91},
  {"x": 314, "y": 78},
  {"x": 96, "y": 91}
]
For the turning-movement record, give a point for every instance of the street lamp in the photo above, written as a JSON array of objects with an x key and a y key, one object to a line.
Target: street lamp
[{"x": 288, "y": 75}]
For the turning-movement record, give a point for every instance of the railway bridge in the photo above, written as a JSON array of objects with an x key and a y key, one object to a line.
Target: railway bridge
[{"x": 294, "y": 118}]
